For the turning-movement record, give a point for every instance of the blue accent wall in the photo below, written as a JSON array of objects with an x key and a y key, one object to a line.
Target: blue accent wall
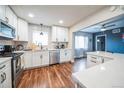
[{"x": 115, "y": 41}]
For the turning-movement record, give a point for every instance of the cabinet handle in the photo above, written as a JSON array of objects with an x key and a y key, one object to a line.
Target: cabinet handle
[
  {"x": 4, "y": 76},
  {"x": 56, "y": 39},
  {"x": 103, "y": 60},
  {"x": 7, "y": 19},
  {"x": 18, "y": 37},
  {"x": 2, "y": 67},
  {"x": 2, "y": 80},
  {"x": 41, "y": 56},
  {"x": 93, "y": 61},
  {"x": 93, "y": 57},
  {"x": 64, "y": 39}
]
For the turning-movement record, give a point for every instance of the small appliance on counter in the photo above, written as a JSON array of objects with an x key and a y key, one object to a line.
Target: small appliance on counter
[
  {"x": 62, "y": 46},
  {"x": 19, "y": 47},
  {"x": 16, "y": 62}
]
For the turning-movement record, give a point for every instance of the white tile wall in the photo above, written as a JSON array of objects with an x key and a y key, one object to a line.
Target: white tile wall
[{"x": 6, "y": 42}]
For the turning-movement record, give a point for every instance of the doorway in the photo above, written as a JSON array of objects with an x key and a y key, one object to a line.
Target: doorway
[{"x": 101, "y": 43}]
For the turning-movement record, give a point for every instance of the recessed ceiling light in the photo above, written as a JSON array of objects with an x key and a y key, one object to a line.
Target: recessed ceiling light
[
  {"x": 30, "y": 15},
  {"x": 103, "y": 29},
  {"x": 61, "y": 21}
]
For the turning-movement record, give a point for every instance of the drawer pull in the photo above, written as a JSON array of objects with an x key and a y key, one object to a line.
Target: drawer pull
[
  {"x": 2, "y": 67},
  {"x": 2, "y": 78},
  {"x": 93, "y": 61},
  {"x": 94, "y": 57}
]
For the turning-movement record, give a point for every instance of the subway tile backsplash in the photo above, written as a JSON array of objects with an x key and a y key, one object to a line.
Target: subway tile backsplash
[{"x": 6, "y": 42}]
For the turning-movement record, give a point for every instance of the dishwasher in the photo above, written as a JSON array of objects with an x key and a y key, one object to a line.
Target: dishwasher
[{"x": 54, "y": 56}]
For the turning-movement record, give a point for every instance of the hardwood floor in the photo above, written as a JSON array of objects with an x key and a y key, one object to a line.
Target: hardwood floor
[{"x": 55, "y": 76}]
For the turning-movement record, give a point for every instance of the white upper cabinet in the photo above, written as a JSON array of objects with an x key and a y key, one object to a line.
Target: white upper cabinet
[
  {"x": 9, "y": 16},
  {"x": 22, "y": 30},
  {"x": 65, "y": 55},
  {"x": 15, "y": 26},
  {"x": 54, "y": 37},
  {"x": 59, "y": 34},
  {"x": 2, "y": 12}
]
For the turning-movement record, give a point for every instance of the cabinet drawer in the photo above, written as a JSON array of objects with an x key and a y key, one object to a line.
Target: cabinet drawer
[
  {"x": 4, "y": 65},
  {"x": 6, "y": 78}
]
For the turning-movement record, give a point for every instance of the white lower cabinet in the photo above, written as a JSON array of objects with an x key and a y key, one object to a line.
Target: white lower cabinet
[
  {"x": 93, "y": 60},
  {"x": 36, "y": 59},
  {"x": 5, "y": 75},
  {"x": 41, "y": 58},
  {"x": 65, "y": 55},
  {"x": 28, "y": 59},
  {"x": 45, "y": 58}
]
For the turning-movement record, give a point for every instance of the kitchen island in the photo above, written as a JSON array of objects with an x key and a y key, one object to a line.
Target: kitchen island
[{"x": 105, "y": 75}]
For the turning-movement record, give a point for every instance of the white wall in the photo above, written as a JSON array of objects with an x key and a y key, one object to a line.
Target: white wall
[{"x": 97, "y": 17}]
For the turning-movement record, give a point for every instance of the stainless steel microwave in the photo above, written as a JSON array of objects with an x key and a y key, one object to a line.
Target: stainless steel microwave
[{"x": 6, "y": 30}]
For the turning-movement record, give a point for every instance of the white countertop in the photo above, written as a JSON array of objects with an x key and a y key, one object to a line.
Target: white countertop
[
  {"x": 41, "y": 50},
  {"x": 106, "y": 75},
  {"x": 5, "y": 59}
]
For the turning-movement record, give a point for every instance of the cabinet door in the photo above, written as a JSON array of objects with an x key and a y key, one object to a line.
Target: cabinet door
[
  {"x": 22, "y": 61},
  {"x": 1, "y": 79},
  {"x": 22, "y": 30},
  {"x": 6, "y": 76},
  {"x": 2, "y": 12},
  {"x": 65, "y": 31},
  {"x": 62, "y": 56},
  {"x": 54, "y": 37},
  {"x": 9, "y": 16},
  {"x": 60, "y": 34},
  {"x": 28, "y": 59},
  {"x": 37, "y": 59},
  {"x": 68, "y": 55},
  {"x": 91, "y": 61},
  {"x": 45, "y": 58},
  {"x": 15, "y": 26}
]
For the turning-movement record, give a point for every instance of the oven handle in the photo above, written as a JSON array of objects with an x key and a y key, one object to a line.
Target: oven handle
[
  {"x": 2, "y": 67},
  {"x": 2, "y": 76}
]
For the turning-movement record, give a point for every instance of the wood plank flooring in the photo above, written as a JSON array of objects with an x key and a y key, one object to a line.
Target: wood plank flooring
[{"x": 55, "y": 76}]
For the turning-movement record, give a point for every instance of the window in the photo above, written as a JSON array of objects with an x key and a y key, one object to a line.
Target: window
[
  {"x": 81, "y": 42},
  {"x": 40, "y": 39}
]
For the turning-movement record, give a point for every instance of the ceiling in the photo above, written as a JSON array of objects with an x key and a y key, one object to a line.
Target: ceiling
[
  {"x": 51, "y": 14},
  {"x": 108, "y": 24}
]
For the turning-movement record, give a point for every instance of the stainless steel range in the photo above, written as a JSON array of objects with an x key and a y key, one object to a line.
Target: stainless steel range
[{"x": 16, "y": 63}]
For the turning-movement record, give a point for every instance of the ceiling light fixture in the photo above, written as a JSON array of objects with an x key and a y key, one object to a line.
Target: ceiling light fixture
[
  {"x": 61, "y": 21},
  {"x": 103, "y": 28},
  {"x": 30, "y": 15}
]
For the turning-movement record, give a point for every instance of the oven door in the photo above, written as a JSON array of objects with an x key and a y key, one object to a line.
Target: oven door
[{"x": 17, "y": 71}]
